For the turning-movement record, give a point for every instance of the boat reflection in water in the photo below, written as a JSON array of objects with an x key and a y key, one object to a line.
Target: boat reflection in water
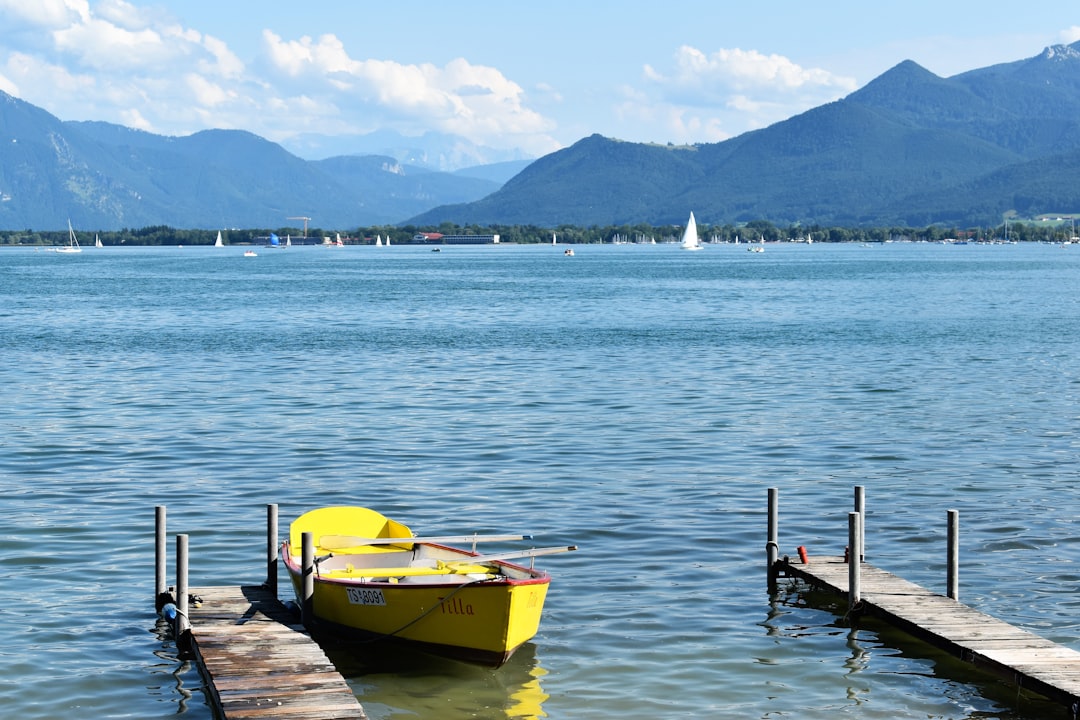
[{"x": 392, "y": 680}]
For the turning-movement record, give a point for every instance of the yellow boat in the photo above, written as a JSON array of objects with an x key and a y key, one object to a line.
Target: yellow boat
[{"x": 374, "y": 579}]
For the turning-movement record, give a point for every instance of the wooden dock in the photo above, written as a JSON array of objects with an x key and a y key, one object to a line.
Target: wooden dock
[
  {"x": 1020, "y": 657},
  {"x": 260, "y": 662}
]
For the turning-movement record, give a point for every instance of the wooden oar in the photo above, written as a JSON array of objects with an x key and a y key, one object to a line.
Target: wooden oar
[
  {"x": 479, "y": 564},
  {"x": 512, "y": 555},
  {"x": 410, "y": 571},
  {"x": 338, "y": 542}
]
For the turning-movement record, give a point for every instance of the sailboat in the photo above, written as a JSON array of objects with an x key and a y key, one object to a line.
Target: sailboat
[
  {"x": 378, "y": 241},
  {"x": 219, "y": 242},
  {"x": 97, "y": 241},
  {"x": 690, "y": 239},
  {"x": 73, "y": 242}
]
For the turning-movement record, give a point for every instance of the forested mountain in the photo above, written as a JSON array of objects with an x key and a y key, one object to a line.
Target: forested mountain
[
  {"x": 909, "y": 148},
  {"x": 108, "y": 177}
]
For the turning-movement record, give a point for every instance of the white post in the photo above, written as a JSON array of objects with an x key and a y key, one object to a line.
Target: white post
[
  {"x": 182, "y": 622},
  {"x": 952, "y": 580},
  {"x": 160, "y": 582},
  {"x": 860, "y": 507},
  {"x": 307, "y": 565},
  {"x": 854, "y": 565},
  {"x": 772, "y": 546},
  {"x": 271, "y": 547}
]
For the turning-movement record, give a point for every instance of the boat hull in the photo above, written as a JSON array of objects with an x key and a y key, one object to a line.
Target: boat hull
[{"x": 474, "y": 618}]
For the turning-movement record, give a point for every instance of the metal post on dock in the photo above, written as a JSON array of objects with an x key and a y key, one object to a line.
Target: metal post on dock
[
  {"x": 854, "y": 565},
  {"x": 307, "y": 565},
  {"x": 772, "y": 546},
  {"x": 860, "y": 507},
  {"x": 182, "y": 622},
  {"x": 952, "y": 581},
  {"x": 160, "y": 583},
  {"x": 271, "y": 547}
]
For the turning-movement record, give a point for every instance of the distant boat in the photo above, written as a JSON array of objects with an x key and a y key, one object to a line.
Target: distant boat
[
  {"x": 378, "y": 241},
  {"x": 73, "y": 242},
  {"x": 97, "y": 242},
  {"x": 288, "y": 241},
  {"x": 339, "y": 243},
  {"x": 250, "y": 253},
  {"x": 690, "y": 239},
  {"x": 219, "y": 242},
  {"x": 554, "y": 240},
  {"x": 568, "y": 252}
]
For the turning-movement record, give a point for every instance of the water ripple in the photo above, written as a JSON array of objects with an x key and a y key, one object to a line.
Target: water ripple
[{"x": 637, "y": 403}]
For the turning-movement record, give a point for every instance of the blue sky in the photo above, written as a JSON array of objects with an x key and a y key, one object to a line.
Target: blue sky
[{"x": 525, "y": 78}]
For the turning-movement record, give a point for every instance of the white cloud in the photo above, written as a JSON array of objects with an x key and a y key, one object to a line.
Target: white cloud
[
  {"x": 134, "y": 119},
  {"x": 208, "y": 94},
  {"x": 710, "y": 97},
  {"x": 474, "y": 101},
  {"x": 120, "y": 63},
  {"x": 1070, "y": 35},
  {"x": 8, "y": 86},
  {"x": 224, "y": 63},
  {"x": 101, "y": 45},
  {"x": 44, "y": 14},
  {"x": 124, "y": 14},
  {"x": 34, "y": 77}
]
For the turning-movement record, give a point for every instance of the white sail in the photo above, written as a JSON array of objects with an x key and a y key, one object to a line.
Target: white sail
[
  {"x": 378, "y": 240},
  {"x": 690, "y": 239},
  {"x": 97, "y": 241},
  {"x": 219, "y": 242},
  {"x": 73, "y": 242}
]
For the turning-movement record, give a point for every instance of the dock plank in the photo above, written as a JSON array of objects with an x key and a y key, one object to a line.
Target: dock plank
[
  {"x": 259, "y": 663},
  {"x": 1019, "y": 656}
]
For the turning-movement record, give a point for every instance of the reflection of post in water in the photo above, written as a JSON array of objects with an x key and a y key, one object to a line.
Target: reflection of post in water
[
  {"x": 855, "y": 664},
  {"x": 772, "y": 619},
  {"x": 171, "y": 664},
  {"x": 860, "y": 657},
  {"x": 786, "y": 606}
]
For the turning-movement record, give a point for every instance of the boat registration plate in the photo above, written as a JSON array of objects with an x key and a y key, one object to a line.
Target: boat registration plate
[{"x": 365, "y": 596}]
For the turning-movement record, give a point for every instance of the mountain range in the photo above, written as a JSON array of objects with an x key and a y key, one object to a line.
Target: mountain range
[
  {"x": 430, "y": 150},
  {"x": 910, "y": 148},
  {"x": 109, "y": 177}
]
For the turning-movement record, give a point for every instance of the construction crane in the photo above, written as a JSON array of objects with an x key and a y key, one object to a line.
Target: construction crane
[{"x": 301, "y": 217}]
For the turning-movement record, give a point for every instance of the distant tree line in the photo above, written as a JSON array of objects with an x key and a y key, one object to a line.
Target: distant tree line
[{"x": 1026, "y": 231}]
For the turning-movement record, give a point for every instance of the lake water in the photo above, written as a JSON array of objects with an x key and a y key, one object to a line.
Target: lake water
[{"x": 637, "y": 401}]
